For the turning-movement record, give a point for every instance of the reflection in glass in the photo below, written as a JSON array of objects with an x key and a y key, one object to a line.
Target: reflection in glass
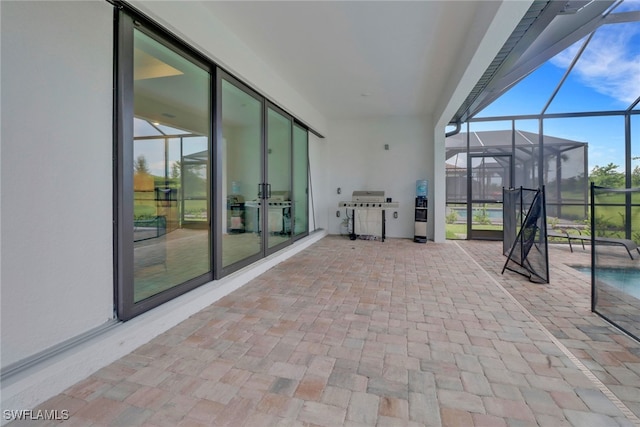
[
  {"x": 170, "y": 170},
  {"x": 241, "y": 173},
  {"x": 279, "y": 179},
  {"x": 301, "y": 180},
  {"x": 144, "y": 128}
]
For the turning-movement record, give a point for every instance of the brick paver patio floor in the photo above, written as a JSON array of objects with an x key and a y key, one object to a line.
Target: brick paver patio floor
[{"x": 364, "y": 333}]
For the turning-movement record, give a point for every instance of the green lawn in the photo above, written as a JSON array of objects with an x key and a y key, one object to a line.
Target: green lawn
[{"x": 459, "y": 231}]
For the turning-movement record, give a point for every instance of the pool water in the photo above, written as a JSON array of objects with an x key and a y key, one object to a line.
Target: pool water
[
  {"x": 493, "y": 214},
  {"x": 625, "y": 279}
]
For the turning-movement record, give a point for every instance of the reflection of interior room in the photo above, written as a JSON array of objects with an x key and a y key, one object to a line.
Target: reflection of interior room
[
  {"x": 170, "y": 208},
  {"x": 256, "y": 183},
  {"x": 171, "y": 162},
  {"x": 170, "y": 168},
  {"x": 241, "y": 173}
]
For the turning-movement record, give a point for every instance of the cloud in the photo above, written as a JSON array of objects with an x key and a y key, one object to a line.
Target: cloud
[
  {"x": 610, "y": 64},
  {"x": 628, "y": 5}
]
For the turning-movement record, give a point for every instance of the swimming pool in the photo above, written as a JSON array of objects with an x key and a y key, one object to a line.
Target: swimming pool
[
  {"x": 625, "y": 279},
  {"x": 494, "y": 214}
]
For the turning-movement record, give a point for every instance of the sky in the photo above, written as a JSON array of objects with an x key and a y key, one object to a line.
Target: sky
[
  {"x": 605, "y": 78},
  {"x": 153, "y": 150}
]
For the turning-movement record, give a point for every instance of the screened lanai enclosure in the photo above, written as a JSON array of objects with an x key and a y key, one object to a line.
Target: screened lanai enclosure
[
  {"x": 479, "y": 164},
  {"x": 561, "y": 114}
]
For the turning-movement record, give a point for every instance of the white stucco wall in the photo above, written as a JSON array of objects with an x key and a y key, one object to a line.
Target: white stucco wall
[
  {"x": 358, "y": 161},
  {"x": 56, "y": 142}
]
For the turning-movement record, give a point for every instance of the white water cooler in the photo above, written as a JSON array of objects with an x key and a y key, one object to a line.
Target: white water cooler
[{"x": 421, "y": 211}]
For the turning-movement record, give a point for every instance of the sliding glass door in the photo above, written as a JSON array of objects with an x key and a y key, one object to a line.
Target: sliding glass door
[
  {"x": 170, "y": 168},
  {"x": 255, "y": 164},
  {"x": 278, "y": 195},
  {"x": 191, "y": 207},
  {"x": 241, "y": 171},
  {"x": 164, "y": 179},
  {"x": 300, "y": 181},
  {"x": 263, "y": 205}
]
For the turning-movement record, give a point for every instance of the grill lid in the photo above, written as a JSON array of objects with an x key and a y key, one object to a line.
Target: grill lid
[{"x": 368, "y": 196}]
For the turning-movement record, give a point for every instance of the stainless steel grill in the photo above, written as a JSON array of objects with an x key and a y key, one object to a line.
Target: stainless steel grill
[
  {"x": 368, "y": 196},
  {"x": 367, "y": 213},
  {"x": 368, "y": 199}
]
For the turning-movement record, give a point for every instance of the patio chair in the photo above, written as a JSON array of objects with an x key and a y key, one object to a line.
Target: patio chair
[
  {"x": 562, "y": 233},
  {"x": 629, "y": 245}
]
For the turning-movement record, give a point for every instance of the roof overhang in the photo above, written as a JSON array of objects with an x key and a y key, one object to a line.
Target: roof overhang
[{"x": 547, "y": 28}]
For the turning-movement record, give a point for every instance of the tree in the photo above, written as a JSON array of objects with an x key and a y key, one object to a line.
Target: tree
[
  {"x": 607, "y": 176},
  {"x": 175, "y": 169},
  {"x": 140, "y": 166},
  {"x": 635, "y": 175}
]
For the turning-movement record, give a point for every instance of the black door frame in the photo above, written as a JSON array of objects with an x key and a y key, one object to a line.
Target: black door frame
[{"x": 485, "y": 234}]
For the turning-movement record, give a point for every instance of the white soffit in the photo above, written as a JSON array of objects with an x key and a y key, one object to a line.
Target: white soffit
[{"x": 357, "y": 59}]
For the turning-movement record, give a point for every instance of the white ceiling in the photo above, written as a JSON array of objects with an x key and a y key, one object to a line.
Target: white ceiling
[{"x": 353, "y": 59}]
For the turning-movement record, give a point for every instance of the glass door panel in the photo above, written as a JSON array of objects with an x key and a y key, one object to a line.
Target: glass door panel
[
  {"x": 489, "y": 174},
  {"x": 192, "y": 171},
  {"x": 278, "y": 183},
  {"x": 300, "y": 181},
  {"x": 171, "y": 238},
  {"x": 241, "y": 174}
]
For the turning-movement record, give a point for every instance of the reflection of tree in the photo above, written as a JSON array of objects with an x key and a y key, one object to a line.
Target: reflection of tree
[
  {"x": 140, "y": 166},
  {"x": 175, "y": 170},
  {"x": 193, "y": 175}
]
